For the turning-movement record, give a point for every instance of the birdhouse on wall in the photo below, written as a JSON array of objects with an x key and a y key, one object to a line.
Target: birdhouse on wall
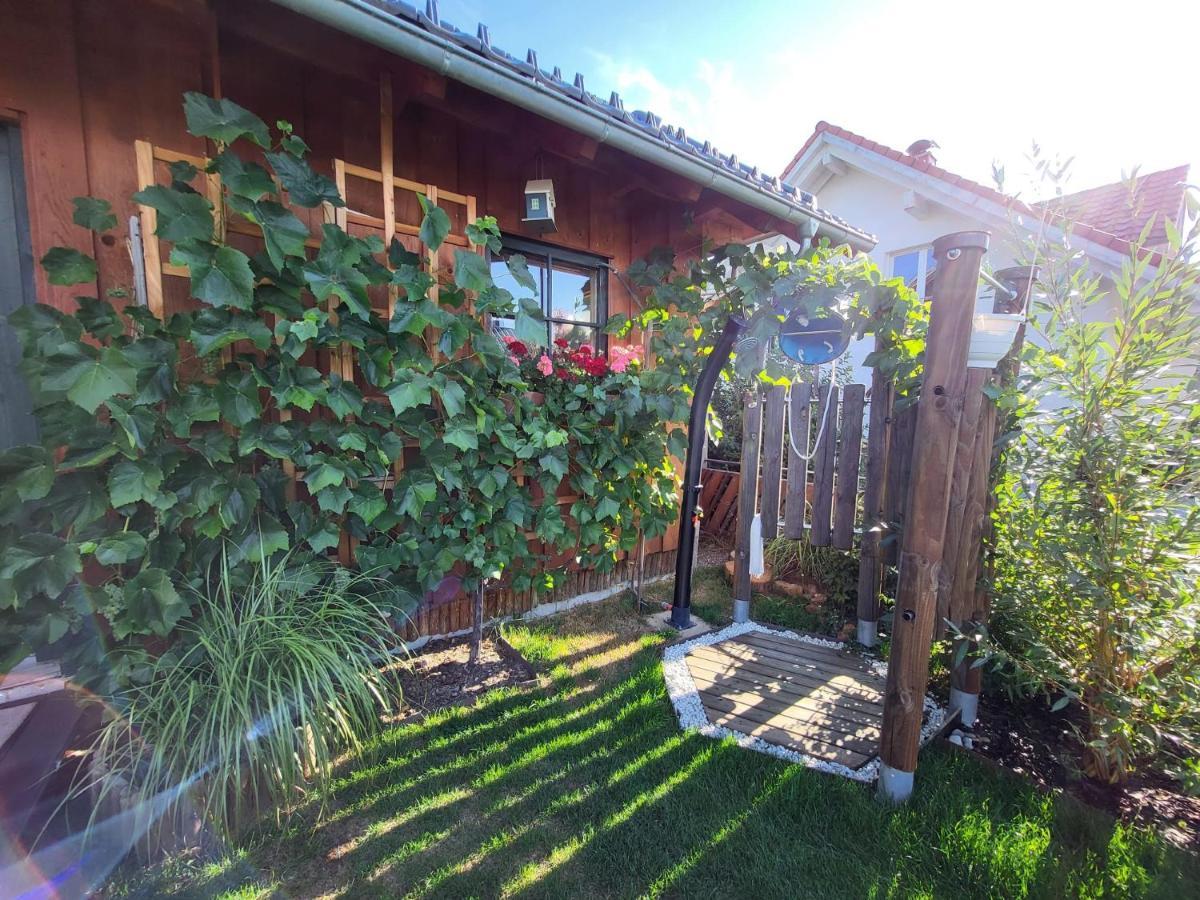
[{"x": 539, "y": 204}]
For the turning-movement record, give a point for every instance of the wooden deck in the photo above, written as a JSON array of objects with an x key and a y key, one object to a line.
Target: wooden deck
[{"x": 825, "y": 703}]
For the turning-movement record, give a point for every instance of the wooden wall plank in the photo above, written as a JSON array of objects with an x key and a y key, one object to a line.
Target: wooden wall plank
[
  {"x": 774, "y": 407},
  {"x": 799, "y": 421},
  {"x": 849, "y": 453},
  {"x": 825, "y": 423}
]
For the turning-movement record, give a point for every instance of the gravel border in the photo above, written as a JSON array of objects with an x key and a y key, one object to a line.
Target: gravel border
[{"x": 686, "y": 699}]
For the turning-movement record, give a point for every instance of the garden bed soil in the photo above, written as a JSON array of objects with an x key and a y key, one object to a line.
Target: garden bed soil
[
  {"x": 1040, "y": 745},
  {"x": 438, "y": 675}
]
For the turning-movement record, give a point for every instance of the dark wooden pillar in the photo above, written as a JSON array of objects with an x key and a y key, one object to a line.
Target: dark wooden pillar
[
  {"x": 936, "y": 436},
  {"x": 969, "y": 601},
  {"x": 747, "y": 504}
]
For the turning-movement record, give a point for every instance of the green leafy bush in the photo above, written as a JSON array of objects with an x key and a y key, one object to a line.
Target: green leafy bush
[
  {"x": 250, "y": 708},
  {"x": 1098, "y": 522}
]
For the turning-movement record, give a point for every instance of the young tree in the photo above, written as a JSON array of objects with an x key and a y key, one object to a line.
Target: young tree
[{"x": 1098, "y": 545}]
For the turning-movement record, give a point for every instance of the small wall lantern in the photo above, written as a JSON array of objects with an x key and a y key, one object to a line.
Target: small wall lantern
[
  {"x": 992, "y": 336},
  {"x": 539, "y": 204}
]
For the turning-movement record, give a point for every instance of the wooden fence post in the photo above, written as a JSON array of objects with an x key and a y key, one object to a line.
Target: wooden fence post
[
  {"x": 958, "y": 261},
  {"x": 825, "y": 423},
  {"x": 870, "y": 561},
  {"x": 969, "y": 602},
  {"x": 747, "y": 504},
  {"x": 797, "y": 480},
  {"x": 774, "y": 407},
  {"x": 845, "y": 503}
]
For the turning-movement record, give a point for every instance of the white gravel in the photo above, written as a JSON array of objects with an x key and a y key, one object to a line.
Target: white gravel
[{"x": 686, "y": 698}]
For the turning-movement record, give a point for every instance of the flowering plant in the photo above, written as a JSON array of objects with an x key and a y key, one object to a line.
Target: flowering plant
[{"x": 564, "y": 365}]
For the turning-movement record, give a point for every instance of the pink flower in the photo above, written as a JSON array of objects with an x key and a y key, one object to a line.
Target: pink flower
[
  {"x": 621, "y": 357},
  {"x": 545, "y": 365}
]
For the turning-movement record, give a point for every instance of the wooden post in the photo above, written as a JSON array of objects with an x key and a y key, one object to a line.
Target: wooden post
[
  {"x": 825, "y": 423},
  {"x": 870, "y": 561},
  {"x": 958, "y": 261},
  {"x": 969, "y": 602},
  {"x": 747, "y": 503},
  {"x": 797, "y": 480},
  {"x": 772, "y": 458},
  {"x": 845, "y": 501}
]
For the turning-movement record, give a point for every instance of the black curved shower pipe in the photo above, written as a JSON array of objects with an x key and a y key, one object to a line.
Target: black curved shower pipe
[{"x": 681, "y": 604}]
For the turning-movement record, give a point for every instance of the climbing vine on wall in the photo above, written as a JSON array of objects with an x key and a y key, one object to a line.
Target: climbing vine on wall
[{"x": 167, "y": 444}]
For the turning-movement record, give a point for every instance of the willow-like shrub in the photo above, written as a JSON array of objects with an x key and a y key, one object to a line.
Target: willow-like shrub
[
  {"x": 250, "y": 709},
  {"x": 1098, "y": 521}
]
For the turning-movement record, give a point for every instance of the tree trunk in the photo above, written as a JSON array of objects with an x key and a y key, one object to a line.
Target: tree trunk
[{"x": 476, "y": 625}]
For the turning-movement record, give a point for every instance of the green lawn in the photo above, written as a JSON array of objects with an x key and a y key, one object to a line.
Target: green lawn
[{"x": 584, "y": 787}]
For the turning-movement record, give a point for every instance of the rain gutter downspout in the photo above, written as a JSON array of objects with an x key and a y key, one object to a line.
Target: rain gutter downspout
[{"x": 396, "y": 35}]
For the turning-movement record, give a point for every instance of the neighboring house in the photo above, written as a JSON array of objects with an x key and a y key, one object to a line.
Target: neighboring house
[
  {"x": 910, "y": 200},
  {"x": 385, "y": 95}
]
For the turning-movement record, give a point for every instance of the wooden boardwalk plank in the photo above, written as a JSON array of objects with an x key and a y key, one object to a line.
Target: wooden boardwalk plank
[
  {"x": 784, "y": 738},
  {"x": 762, "y": 675},
  {"x": 829, "y": 665},
  {"x": 825, "y": 711},
  {"x": 822, "y": 656},
  {"x": 835, "y": 732}
]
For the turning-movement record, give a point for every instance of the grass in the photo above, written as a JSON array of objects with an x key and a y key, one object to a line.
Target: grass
[
  {"x": 712, "y": 601},
  {"x": 585, "y": 786}
]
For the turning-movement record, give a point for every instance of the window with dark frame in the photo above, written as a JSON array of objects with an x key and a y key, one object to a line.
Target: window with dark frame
[{"x": 572, "y": 290}]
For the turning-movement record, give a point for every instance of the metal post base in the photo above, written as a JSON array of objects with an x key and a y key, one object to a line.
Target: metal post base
[
  {"x": 894, "y": 786},
  {"x": 741, "y": 611},
  {"x": 868, "y": 633},
  {"x": 681, "y": 617},
  {"x": 968, "y": 704}
]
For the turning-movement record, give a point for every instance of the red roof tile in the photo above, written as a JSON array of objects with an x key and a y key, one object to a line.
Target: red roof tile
[
  {"x": 1094, "y": 217},
  {"x": 1124, "y": 208}
]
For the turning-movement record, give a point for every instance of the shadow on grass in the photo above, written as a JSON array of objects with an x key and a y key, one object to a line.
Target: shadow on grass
[{"x": 587, "y": 787}]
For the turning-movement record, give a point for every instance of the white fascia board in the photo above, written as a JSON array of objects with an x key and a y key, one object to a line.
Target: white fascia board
[{"x": 960, "y": 200}]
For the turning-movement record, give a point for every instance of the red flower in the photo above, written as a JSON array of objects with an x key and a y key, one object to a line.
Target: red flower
[
  {"x": 515, "y": 346},
  {"x": 561, "y": 343},
  {"x": 597, "y": 365},
  {"x": 563, "y": 373},
  {"x": 586, "y": 349}
]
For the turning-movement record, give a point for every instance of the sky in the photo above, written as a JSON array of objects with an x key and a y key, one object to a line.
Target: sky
[{"x": 1109, "y": 84}]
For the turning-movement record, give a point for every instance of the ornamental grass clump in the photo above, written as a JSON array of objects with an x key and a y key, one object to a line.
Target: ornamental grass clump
[{"x": 251, "y": 708}]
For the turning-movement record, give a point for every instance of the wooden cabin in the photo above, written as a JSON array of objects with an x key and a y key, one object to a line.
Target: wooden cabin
[{"x": 391, "y": 101}]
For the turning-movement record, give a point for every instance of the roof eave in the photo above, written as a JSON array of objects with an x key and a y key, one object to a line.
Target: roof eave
[{"x": 392, "y": 33}]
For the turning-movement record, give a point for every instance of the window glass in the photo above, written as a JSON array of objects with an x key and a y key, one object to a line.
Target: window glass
[
  {"x": 906, "y": 266},
  {"x": 573, "y": 293},
  {"x": 575, "y": 334},
  {"x": 570, "y": 293}
]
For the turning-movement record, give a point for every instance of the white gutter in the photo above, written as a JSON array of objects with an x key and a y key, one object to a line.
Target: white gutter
[{"x": 403, "y": 38}]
